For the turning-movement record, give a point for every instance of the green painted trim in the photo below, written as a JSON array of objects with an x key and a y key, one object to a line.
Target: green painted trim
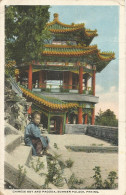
[
  {"x": 49, "y": 122},
  {"x": 56, "y": 114},
  {"x": 64, "y": 123}
]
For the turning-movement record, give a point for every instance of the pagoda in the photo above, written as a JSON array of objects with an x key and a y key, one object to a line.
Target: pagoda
[{"x": 62, "y": 86}]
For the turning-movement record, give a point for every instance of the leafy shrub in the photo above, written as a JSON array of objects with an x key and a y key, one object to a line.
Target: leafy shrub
[
  {"x": 108, "y": 183},
  {"x": 21, "y": 175},
  {"x": 69, "y": 163},
  {"x": 73, "y": 182}
]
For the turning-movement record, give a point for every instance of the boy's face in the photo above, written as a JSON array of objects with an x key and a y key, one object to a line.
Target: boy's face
[{"x": 37, "y": 119}]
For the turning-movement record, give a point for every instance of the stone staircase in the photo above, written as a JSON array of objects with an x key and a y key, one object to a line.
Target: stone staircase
[
  {"x": 17, "y": 161},
  {"x": 86, "y": 152}
]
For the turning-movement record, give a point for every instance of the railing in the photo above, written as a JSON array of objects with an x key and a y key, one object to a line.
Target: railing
[{"x": 61, "y": 88}]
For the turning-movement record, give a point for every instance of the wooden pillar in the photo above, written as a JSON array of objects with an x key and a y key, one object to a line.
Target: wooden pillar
[
  {"x": 80, "y": 79},
  {"x": 93, "y": 116},
  {"x": 66, "y": 119},
  {"x": 40, "y": 78},
  {"x": 64, "y": 122},
  {"x": 93, "y": 81},
  {"x": 16, "y": 77},
  {"x": 61, "y": 126},
  {"x": 70, "y": 80},
  {"x": 30, "y": 77},
  {"x": 49, "y": 123},
  {"x": 55, "y": 124},
  {"x": 63, "y": 80},
  {"x": 85, "y": 119},
  {"x": 29, "y": 110},
  {"x": 80, "y": 120}
]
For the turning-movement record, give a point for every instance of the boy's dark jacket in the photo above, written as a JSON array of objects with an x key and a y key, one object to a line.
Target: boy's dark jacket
[{"x": 32, "y": 131}]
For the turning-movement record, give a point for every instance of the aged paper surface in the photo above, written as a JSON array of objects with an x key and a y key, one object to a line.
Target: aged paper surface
[{"x": 118, "y": 90}]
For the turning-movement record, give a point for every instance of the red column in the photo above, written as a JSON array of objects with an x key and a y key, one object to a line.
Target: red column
[
  {"x": 64, "y": 80},
  {"x": 80, "y": 79},
  {"x": 61, "y": 126},
  {"x": 85, "y": 120},
  {"x": 93, "y": 116},
  {"x": 30, "y": 77},
  {"x": 30, "y": 110},
  {"x": 93, "y": 82},
  {"x": 70, "y": 80},
  {"x": 55, "y": 125},
  {"x": 16, "y": 77},
  {"x": 67, "y": 120},
  {"x": 41, "y": 79},
  {"x": 80, "y": 121}
]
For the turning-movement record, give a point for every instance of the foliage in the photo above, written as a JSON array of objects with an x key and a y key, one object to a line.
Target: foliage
[
  {"x": 98, "y": 179},
  {"x": 55, "y": 146},
  {"x": 108, "y": 183},
  {"x": 25, "y": 32},
  {"x": 21, "y": 175},
  {"x": 107, "y": 118},
  {"x": 69, "y": 163},
  {"x": 55, "y": 172},
  {"x": 38, "y": 165},
  {"x": 56, "y": 168},
  {"x": 73, "y": 182}
]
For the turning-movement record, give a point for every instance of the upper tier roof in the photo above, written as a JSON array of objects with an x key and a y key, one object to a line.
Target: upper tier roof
[
  {"x": 58, "y": 27},
  {"x": 88, "y": 54}
]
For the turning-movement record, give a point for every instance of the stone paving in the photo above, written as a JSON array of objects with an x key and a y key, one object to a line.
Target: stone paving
[
  {"x": 84, "y": 162},
  {"x": 17, "y": 153}
]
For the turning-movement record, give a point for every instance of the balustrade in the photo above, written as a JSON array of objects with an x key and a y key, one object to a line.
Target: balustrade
[{"x": 61, "y": 89}]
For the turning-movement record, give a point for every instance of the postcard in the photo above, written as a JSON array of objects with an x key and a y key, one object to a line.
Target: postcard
[{"x": 63, "y": 116}]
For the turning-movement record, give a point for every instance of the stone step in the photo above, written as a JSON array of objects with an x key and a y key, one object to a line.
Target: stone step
[
  {"x": 22, "y": 154},
  {"x": 31, "y": 180},
  {"x": 9, "y": 129},
  {"x": 12, "y": 141}
]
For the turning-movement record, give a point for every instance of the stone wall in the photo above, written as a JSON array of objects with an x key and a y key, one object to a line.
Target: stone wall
[
  {"x": 106, "y": 133},
  {"x": 75, "y": 129}
]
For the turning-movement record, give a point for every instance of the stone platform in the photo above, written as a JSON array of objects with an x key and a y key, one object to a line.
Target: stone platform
[{"x": 16, "y": 153}]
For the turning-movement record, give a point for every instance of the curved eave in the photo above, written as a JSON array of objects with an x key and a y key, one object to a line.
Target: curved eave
[
  {"x": 64, "y": 25},
  {"x": 68, "y": 54},
  {"x": 91, "y": 33},
  {"x": 72, "y": 46},
  {"x": 86, "y": 32},
  {"x": 106, "y": 56},
  {"x": 47, "y": 103},
  {"x": 90, "y": 50}
]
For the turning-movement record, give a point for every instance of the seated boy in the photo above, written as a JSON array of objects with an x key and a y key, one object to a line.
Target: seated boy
[{"x": 33, "y": 136}]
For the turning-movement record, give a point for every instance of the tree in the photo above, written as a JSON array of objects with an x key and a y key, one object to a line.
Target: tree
[
  {"x": 107, "y": 118},
  {"x": 25, "y": 32}
]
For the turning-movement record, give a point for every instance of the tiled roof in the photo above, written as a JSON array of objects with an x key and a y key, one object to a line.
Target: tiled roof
[
  {"x": 48, "y": 101},
  {"x": 64, "y": 50},
  {"x": 58, "y": 27}
]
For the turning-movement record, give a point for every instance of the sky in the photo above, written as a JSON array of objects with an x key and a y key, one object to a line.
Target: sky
[{"x": 106, "y": 20}]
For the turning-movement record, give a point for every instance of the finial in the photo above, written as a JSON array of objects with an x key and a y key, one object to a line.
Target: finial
[{"x": 56, "y": 16}]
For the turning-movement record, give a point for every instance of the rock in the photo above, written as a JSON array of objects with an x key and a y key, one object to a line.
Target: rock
[{"x": 15, "y": 108}]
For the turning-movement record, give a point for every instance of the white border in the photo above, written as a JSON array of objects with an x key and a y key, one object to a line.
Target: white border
[{"x": 122, "y": 87}]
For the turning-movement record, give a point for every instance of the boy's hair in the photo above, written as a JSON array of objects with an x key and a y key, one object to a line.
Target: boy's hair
[{"x": 33, "y": 115}]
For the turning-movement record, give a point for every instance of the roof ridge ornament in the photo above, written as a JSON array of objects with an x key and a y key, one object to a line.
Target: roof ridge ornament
[{"x": 56, "y": 16}]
